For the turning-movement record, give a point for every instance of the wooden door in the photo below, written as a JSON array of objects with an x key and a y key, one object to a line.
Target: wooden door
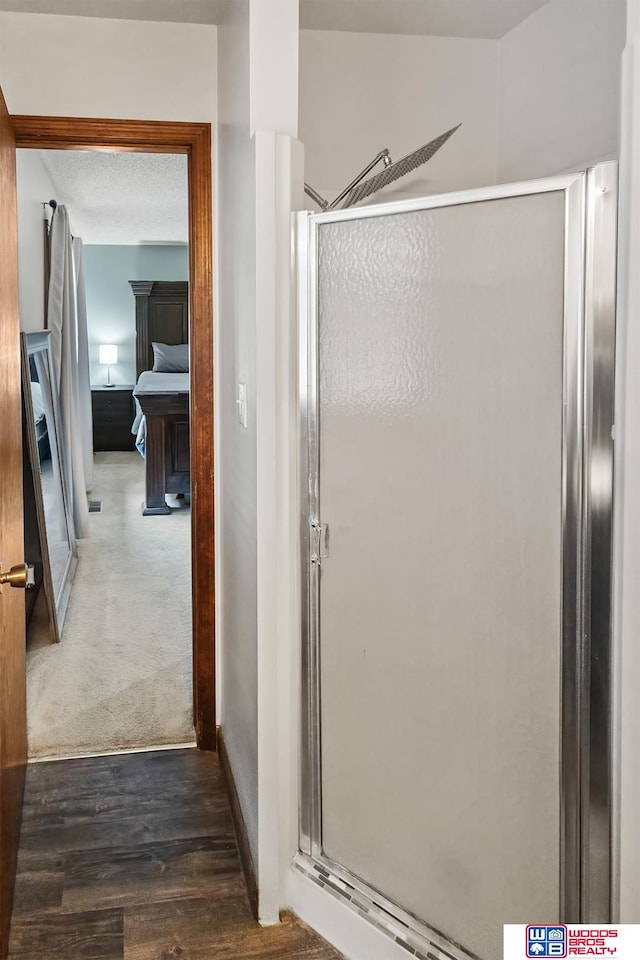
[{"x": 13, "y": 714}]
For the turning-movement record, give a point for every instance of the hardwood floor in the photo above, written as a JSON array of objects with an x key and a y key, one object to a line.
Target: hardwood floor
[{"x": 134, "y": 858}]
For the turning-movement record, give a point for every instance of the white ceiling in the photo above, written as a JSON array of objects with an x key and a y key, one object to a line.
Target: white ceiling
[
  {"x": 488, "y": 19},
  {"x": 121, "y": 197},
  {"x": 175, "y": 11}
]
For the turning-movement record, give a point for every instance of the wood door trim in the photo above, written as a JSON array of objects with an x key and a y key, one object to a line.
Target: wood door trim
[
  {"x": 88, "y": 133},
  {"x": 202, "y": 473},
  {"x": 193, "y": 140}
]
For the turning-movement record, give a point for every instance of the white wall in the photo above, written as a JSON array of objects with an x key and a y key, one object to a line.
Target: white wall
[
  {"x": 559, "y": 88},
  {"x": 542, "y": 100},
  {"x": 236, "y": 474},
  {"x": 34, "y": 188},
  {"x": 362, "y": 92},
  {"x": 125, "y": 69},
  {"x": 274, "y": 32},
  {"x": 110, "y": 301},
  {"x": 273, "y": 43},
  {"x": 258, "y": 104}
]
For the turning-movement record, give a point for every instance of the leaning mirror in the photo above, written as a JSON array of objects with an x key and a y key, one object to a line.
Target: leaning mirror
[{"x": 49, "y": 539}]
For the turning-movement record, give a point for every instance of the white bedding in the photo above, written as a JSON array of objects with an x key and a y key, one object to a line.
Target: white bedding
[{"x": 148, "y": 384}]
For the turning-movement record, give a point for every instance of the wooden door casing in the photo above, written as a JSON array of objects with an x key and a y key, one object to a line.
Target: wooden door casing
[
  {"x": 13, "y": 712},
  {"x": 194, "y": 141}
]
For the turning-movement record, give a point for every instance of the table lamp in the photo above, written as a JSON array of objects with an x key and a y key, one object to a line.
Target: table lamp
[{"x": 108, "y": 354}]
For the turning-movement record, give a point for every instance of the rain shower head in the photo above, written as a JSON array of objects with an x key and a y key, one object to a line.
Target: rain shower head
[
  {"x": 357, "y": 190},
  {"x": 393, "y": 171}
]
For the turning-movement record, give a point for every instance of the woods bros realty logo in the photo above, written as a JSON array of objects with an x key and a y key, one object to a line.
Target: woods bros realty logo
[
  {"x": 538, "y": 941},
  {"x": 546, "y": 941},
  {"x": 562, "y": 941}
]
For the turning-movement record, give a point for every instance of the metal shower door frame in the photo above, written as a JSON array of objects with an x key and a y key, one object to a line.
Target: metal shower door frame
[{"x": 587, "y": 504}]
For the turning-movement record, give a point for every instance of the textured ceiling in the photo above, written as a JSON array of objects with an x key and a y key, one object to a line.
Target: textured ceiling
[
  {"x": 488, "y": 19},
  {"x": 121, "y": 197}
]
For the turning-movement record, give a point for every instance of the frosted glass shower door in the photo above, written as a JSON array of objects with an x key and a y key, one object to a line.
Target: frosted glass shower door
[{"x": 444, "y": 392}]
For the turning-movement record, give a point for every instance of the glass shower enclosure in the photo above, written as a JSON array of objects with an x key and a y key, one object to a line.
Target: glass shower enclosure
[{"x": 456, "y": 399}]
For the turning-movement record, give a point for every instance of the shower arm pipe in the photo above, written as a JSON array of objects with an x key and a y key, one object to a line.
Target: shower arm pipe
[
  {"x": 383, "y": 155},
  {"x": 322, "y": 203}
]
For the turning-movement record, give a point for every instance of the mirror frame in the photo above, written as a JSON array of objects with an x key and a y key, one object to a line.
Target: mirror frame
[{"x": 57, "y": 600}]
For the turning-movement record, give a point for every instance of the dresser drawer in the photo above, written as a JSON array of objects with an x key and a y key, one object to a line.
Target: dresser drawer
[
  {"x": 108, "y": 401},
  {"x": 114, "y": 414}
]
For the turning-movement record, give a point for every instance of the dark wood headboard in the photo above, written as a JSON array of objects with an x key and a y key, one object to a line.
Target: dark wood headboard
[{"x": 162, "y": 315}]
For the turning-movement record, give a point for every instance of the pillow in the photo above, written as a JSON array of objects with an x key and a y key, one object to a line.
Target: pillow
[{"x": 170, "y": 359}]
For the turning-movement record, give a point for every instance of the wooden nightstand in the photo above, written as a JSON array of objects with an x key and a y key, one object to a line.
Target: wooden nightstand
[{"x": 113, "y": 413}]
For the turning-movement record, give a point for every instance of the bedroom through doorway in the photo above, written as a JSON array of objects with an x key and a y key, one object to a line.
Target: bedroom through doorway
[{"x": 120, "y": 677}]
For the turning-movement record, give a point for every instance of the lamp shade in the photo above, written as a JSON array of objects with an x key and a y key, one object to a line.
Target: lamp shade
[{"x": 108, "y": 353}]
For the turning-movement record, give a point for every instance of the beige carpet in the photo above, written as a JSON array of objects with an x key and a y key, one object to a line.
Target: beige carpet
[{"x": 121, "y": 675}]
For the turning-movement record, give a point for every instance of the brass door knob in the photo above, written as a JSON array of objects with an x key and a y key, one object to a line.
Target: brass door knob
[{"x": 22, "y": 575}]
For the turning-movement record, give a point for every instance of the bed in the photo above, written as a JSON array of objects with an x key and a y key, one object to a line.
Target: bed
[
  {"x": 39, "y": 413},
  {"x": 161, "y": 426},
  {"x": 42, "y": 433}
]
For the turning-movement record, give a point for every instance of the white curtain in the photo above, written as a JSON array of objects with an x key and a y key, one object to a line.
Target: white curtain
[
  {"x": 66, "y": 319},
  {"x": 84, "y": 380}
]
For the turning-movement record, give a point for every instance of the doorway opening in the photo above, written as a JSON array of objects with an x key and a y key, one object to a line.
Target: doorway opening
[
  {"x": 166, "y": 428},
  {"x": 109, "y": 661}
]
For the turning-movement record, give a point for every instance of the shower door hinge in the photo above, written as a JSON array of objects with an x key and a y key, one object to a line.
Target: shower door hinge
[{"x": 319, "y": 541}]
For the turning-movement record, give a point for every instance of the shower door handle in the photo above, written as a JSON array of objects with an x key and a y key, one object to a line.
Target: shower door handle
[{"x": 320, "y": 541}]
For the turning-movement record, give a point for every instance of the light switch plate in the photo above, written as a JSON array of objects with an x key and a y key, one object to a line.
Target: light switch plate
[{"x": 241, "y": 400}]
